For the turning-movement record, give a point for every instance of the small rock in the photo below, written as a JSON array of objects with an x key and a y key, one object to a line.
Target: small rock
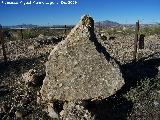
[
  {"x": 33, "y": 77},
  {"x": 31, "y": 47},
  {"x": 3, "y": 108},
  {"x": 41, "y": 36},
  {"x": 28, "y": 76},
  {"x": 103, "y": 37},
  {"x": 159, "y": 68},
  {"x": 60, "y": 85},
  {"x": 61, "y": 113},
  {"x": 18, "y": 114},
  {"x": 51, "y": 112},
  {"x": 72, "y": 111},
  {"x": 156, "y": 103},
  {"x": 38, "y": 99}
]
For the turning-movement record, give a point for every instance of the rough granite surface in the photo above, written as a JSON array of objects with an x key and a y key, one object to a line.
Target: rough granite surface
[{"x": 80, "y": 68}]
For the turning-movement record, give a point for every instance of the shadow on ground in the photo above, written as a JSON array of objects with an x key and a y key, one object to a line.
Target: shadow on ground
[
  {"x": 117, "y": 107},
  {"x": 10, "y": 71},
  {"x": 9, "y": 74},
  {"x": 21, "y": 64}
]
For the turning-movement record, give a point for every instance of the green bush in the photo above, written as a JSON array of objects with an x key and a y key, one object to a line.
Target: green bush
[{"x": 151, "y": 30}]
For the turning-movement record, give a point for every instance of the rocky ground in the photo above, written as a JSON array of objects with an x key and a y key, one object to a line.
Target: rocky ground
[
  {"x": 21, "y": 80},
  {"x": 18, "y": 95}
]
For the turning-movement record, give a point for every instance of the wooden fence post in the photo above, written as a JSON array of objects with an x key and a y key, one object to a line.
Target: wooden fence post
[
  {"x": 3, "y": 44},
  {"x": 99, "y": 25},
  {"x": 65, "y": 30},
  {"x": 136, "y": 41},
  {"x": 21, "y": 33}
]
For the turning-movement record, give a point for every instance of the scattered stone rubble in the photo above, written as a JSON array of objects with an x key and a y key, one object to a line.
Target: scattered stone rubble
[
  {"x": 73, "y": 111},
  {"x": 45, "y": 40},
  {"x": 33, "y": 77}
]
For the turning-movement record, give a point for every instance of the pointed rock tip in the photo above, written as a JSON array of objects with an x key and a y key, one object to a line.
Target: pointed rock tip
[
  {"x": 83, "y": 27},
  {"x": 87, "y": 21}
]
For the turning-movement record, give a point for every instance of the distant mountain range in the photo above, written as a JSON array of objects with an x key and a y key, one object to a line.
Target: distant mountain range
[
  {"x": 23, "y": 26},
  {"x": 36, "y": 26},
  {"x": 106, "y": 23}
]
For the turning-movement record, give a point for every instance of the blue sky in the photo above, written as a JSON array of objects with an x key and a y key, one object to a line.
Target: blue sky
[{"x": 122, "y": 11}]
